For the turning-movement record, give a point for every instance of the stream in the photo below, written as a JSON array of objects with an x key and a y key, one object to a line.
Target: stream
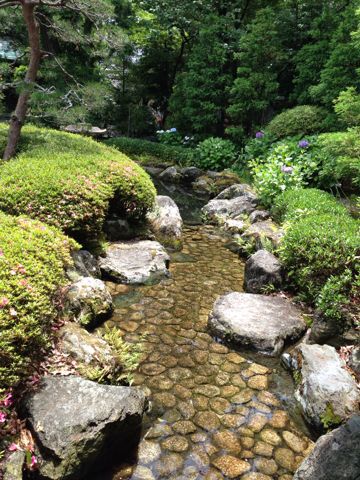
[{"x": 216, "y": 413}]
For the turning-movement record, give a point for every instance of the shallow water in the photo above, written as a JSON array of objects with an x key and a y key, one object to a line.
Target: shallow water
[{"x": 216, "y": 413}]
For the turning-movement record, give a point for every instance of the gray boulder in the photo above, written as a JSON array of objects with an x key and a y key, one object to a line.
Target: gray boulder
[
  {"x": 190, "y": 174},
  {"x": 218, "y": 210},
  {"x": 166, "y": 223},
  {"x": 260, "y": 233},
  {"x": 256, "y": 321},
  {"x": 336, "y": 455},
  {"x": 259, "y": 216},
  {"x": 354, "y": 361},
  {"x": 239, "y": 190},
  {"x": 170, "y": 174},
  {"x": 135, "y": 262},
  {"x": 78, "y": 424},
  {"x": 117, "y": 228},
  {"x": 13, "y": 468},
  {"x": 234, "y": 226},
  {"x": 262, "y": 270},
  {"x": 87, "y": 302},
  {"x": 86, "y": 348},
  {"x": 326, "y": 392},
  {"x": 85, "y": 265},
  {"x": 323, "y": 329}
]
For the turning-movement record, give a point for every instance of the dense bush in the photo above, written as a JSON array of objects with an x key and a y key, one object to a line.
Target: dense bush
[
  {"x": 340, "y": 152},
  {"x": 32, "y": 260},
  {"x": 321, "y": 247},
  {"x": 301, "y": 120},
  {"x": 215, "y": 154},
  {"x": 68, "y": 181},
  {"x": 287, "y": 165},
  {"x": 145, "y": 151}
]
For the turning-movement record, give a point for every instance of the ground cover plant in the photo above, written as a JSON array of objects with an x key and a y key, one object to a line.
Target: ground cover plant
[
  {"x": 320, "y": 249},
  {"x": 32, "y": 261},
  {"x": 69, "y": 181}
]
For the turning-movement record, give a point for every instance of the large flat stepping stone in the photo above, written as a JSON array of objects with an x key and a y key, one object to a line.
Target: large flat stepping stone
[
  {"x": 77, "y": 423},
  {"x": 327, "y": 392},
  {"x": 135, "y": 262},
  {"x": 256, "y": 321}
]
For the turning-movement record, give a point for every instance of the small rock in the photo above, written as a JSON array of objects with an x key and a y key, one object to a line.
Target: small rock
[
  {"x": 88, "y": 302},
  {"x": 135, "y": 262},
  {"x": 258, "y": 382},
  {"x": 285, "y": 458},
  {"x": 234, "y": 226},
  {"x": 230, "y": 466},
  {"x": 171, "y": 175},
  {"x": 294, "y": 442},
  {"x": 13, "y": 469},
  {"x": 166, "y": 222},
  {"x": 257, "y": 321},
  {"x": 270, "y": 436},
  {"x": 263, "y": 449},
  {"x": 260, "y": 233},
  {"x": 184, "y": 427},
  {"x": 266, "y": 466},
  {"x": 262, "y": 270},
  {"x": 85, "y": 265},
  {"x": 259, "y": 216},
  {"x": 190, "y": 174},
  {"x": 207, "y": 420},
  {"x": 148, "y": 452},
  {"x": 256, "y": 476},
  {"x": 257, "y": 422},
  {"x": 142, "y": 473},
  {"x": 176, "y": 443},
  {"x": 228, "y": 441}
]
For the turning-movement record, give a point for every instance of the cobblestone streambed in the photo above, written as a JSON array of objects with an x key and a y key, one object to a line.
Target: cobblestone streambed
[{"x": 215, "y": 413}]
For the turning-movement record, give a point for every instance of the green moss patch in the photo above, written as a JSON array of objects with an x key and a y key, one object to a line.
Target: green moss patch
[
  {"x": 70, "y": 182},
  {"x": 32, "y": 261}
]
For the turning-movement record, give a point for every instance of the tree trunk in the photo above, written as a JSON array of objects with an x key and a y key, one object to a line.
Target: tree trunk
[{"x": 18, "y": 118}]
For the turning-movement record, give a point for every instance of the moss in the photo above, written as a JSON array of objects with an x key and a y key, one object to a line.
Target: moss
[
  {"x": 328, "y": 418},
  {"x": 71, "y": 182},
  {"x": 32, "y": 261}
]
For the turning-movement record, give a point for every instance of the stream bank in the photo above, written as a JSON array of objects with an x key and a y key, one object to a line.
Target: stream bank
[{"x": 217, "y": 413}]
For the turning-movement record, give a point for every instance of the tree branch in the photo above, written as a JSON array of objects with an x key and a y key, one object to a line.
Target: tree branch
[{"x": 9, "y": 3}]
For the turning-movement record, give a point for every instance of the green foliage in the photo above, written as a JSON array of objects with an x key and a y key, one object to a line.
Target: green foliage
[
  {"x": 340, "y": 152},
  {"x": 170, "y": 137},
  {"x": 320, "y": 248},
  {"x": 150, "y": 152},
  {"x": 70, "y": 181},
  {"x": 215, "y": 154},
  {"x": 32, "y": 261},
  {"x": 334, "y": 296},
  {"x": 329, "y": 419},
  {"x": 301, "y": 120},
  {"x": 286, "y": 166},
  {"x": 347, "y": 106}
]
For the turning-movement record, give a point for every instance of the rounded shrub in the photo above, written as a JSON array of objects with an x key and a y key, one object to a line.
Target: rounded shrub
[
  {"x": 215, "y": 154},
  {"x": 301, "y": 120},
  {"x": 32, "y": 261},
  {"x": 70, "y": 182}
]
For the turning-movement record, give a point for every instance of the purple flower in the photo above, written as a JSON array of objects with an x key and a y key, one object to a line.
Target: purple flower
[
  {"x": 260, "y": 134},
  {"x": 286, "y": 169},
  {"x": 303, "y": 144}
]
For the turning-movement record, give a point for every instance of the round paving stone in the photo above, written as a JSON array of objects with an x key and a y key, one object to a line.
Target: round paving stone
[
  {"x": 148, "y": 452},
  {"x": 142, "y": 473},
  {"x": 176, "y": 443},
  {"x": 186, "y": 409},
  {"x": 200, "y": 356},
  {"x": 256, "y": 476},
  {"x": 244, "y": 396},
  {"x": 227, "y": 441},
  {"x": 219, "y": 405},
  {"x": 232, "y": 420},
  {"x": 200, "y": 402},
  {"x": 152, "y": 368},
  {"x": 160, "y": 383},
  {"x": 167, "y": 400},
  {"x": 247, "y": 442},
  {"x": 258, "y": 382},
  {"x": 182, "y": 392},
  {"x": 238, "y": 381},
  {"x": 235, "y": 358},
  {"x": 218, "y": 348},
  {"x": 208, "y": 390},
  {"x": 230, "y": 466},
  {"x": 229, "y": 390},
  {"x": 222, "y": 378},
  {"x": 183, "y": 427},
  {"x": 263, "y": 449},
  {"x": 169, "y": 464},
  {"x": 294, "y": 442},
  {"x": 270, "y": 436},
  {"x": 279, "y": 419},
  {"x": 268, "y": 398},
  {"x": 257, "y": 422},
  {"x": 159, "y": 430},
  {"x": 264, "y": 465},
  {"x": 207, "y": 420},
  {"x": 285, "y": 458}
]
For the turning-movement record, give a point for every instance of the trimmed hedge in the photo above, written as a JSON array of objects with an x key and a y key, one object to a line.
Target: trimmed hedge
[
  {"x": 145, "y": 151},
  {"x": 321, "y": 246},
  {"x": 301, "y": 120},
  {"x": 32, "y": 261},
  {"x": 69, "y": 181}
]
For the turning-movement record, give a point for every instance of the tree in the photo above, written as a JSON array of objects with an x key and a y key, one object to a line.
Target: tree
[{"x": 37, "y": 19}]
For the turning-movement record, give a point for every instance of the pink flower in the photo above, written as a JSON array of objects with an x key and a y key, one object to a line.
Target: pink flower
[
  {"x": 3, "y": 302},
  {"x": 13, "y": 312},
  {"x": 3, "y": 417},
  {"x": 8, "y": 400},
  {"x": 13, "y": 447},
  {"x": 34, "y": 461}
]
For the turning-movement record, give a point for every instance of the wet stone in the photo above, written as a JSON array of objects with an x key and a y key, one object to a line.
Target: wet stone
[
  {"x": 218, "y": 348},
  {"x": 264, "y": 465},
  {"x": 160, "y": 383},
  {"x": 165, "y": 399},
  {"x": 231, "y": 466},
  {"x": 177, "y": 443},
  {"x": 200, "y": 356},
  {"x": 294, "y": 442},
  {"x": 142, "y": 473},
  {"x": 219, "y": 405},
  {"x": 279, "y": 419},
  {"x": 263, "y": 449},
  {"x": 238, "y": 381},
  {"x": 258, "y": 382},
  {"x": 172, "y": 415},
  {"x": 228, "y": 441},
  {"x": 148, "y": 452},
  {"x": 200, "y": 402},
  {"x": 232, "y": 420},
  {"x": 184, "y": 427},
  {"x": 270, "y": 436},
  {"x": 182, "y": 392},
  {"x": 244, "y": 396},
  {"x": 247, "y": 442},
  {"x": 169, "y": 464},
  {"x": 285, "y": 458},
  {"x": 207, "y": 390},
  {"x": 186, "y": 410},
  {"x": 198, "y": 437},
  {"x": 207, "y": 420},
  {"x": 159, "y": 430},
  {"x": 235, "y": 358},
  {"x": 256, "y": 476},
  {"x": 268, "y": 398},
  {"x": 257, "y": 422},
  {"x": 152, "y": 369},
  {"x": 229, "y": 391},
  {"x": 222, "y": 378}
]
